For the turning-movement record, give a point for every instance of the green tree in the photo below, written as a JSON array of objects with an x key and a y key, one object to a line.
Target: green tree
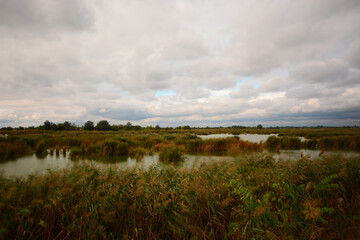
[
  {"x": 47, "y": 125},
  {"x": 60, "y": 126},
  {"x": 89, "y": 125},
  {"x": 259, "y": 126},
  {"x": 128, "y": 126},
  {"x": 67, "y": 125},
  {"x": 103, "y": 125}
]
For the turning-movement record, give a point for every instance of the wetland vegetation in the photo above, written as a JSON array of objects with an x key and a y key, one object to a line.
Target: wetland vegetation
[{"x": 252, "y": 196}]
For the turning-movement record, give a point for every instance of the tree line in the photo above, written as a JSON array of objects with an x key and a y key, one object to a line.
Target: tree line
[{"x": 102, "y": 125}]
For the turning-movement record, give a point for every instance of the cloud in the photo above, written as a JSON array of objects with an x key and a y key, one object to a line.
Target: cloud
[
  {"x": 88, "y": 60},
  {"x": 319, "y": 71},
  {"x": 353, "y": 54},
  {"x": 121, "y": 114},
  {"x": 42, "y": 16}
]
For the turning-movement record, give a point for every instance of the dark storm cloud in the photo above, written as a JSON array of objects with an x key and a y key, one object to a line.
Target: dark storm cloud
[
  {"x": 44, "y": 15},
  {"x": 123, "y": 114}
]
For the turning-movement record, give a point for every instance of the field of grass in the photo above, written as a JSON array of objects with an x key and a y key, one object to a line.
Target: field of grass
[{"x": 250, "y": 198}]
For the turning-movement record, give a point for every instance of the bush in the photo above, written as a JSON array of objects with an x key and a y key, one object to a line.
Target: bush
[
  {"x": 137, "y": 153},
  {"x": 272, "y": 142},
  {"x": 75, "y": 153},
  {"x": 113, "y": 148},
  {"x": 41, "y": 149},
  {"x": 171, "y": 154}
]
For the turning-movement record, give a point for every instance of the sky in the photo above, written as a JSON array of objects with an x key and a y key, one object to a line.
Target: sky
[{"x": 180, "y": 62}]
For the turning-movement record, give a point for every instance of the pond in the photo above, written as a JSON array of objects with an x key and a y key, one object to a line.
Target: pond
[
  {"x": 32, "y": 164},
  {"x": 257, "y": 138},
  {"x": 24, "y": 166}
]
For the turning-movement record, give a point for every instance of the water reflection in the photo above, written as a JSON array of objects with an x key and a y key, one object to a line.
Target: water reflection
[
  {"x": 256, "y": 138},
  {"x": 33, "y": 164},
  {"x": 310, "y": 154}
]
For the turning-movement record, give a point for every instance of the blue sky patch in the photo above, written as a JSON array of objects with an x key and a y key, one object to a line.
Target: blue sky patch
[
  {"x": 164, "y": 93},
  {"x": 242, "y": 80}
]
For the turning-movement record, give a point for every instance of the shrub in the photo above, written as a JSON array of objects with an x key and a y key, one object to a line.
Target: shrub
[
  {"x": 137, "y": 153},
  {"x": 171, "y": 154},
  {"x": 41, "y": 149},
  {"x": 113, "y": 148},
  {"x": 75, "y": 153},
  {"x": 272, "y": 142}
]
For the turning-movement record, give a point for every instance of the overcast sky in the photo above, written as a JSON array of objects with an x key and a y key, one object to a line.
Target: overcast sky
[{"x": 186, "y": 62}]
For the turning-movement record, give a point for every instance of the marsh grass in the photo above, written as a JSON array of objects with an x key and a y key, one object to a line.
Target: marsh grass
[
  {"x": 349, "y": 143},
  {"x": 41, "y": 149},
  {"x": 171, "y": 155},
  {"x": 109, "y": 143},
  {"x": 253, "y": 197}
]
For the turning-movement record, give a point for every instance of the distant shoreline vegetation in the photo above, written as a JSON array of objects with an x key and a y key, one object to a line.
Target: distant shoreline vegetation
[
  {"x": 129, "y": 141},
  {"x": 104, "y": 125}
]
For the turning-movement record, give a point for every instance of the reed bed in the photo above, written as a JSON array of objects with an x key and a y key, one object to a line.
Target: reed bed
[
  {"x": 120, "y": 143},
  {"x": 253, "y": 197},
  {"x": 347, "y": 143}
]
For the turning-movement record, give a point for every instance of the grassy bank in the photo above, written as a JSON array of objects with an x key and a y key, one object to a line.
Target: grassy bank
[{"x": 251, "y": 198}]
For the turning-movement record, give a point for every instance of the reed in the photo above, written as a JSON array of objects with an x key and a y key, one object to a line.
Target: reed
[
  {"x": 13, "y": 150},
  {"x": 41, "y": 149},
  {"x": 109, "y": 143},
  {"x": 171, "y": 154},
  {"x": 253, "y": 197}
]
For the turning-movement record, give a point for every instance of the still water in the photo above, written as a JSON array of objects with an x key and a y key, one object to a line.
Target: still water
[
  {"x": 257, "y": 138},
  {"x": 30, "y": 164}
]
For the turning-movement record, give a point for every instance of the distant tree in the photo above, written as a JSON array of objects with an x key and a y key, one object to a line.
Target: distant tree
[
  {"x": 187, "y": 127},
  {"x": 259, "y": 126},
  {"x": 67, "y": 125},
  {"x": 103, "y": 125},
  {"x": 157, "y": 127},
  {"x": 128, "y": 126},
  {"x": 89, "y": 125},
  {"x": 137, "y": 127},
  {"x": 150, "y": 127},
  {"x": 60, "y": 126},
  {"x": 47, "y": 125}
]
